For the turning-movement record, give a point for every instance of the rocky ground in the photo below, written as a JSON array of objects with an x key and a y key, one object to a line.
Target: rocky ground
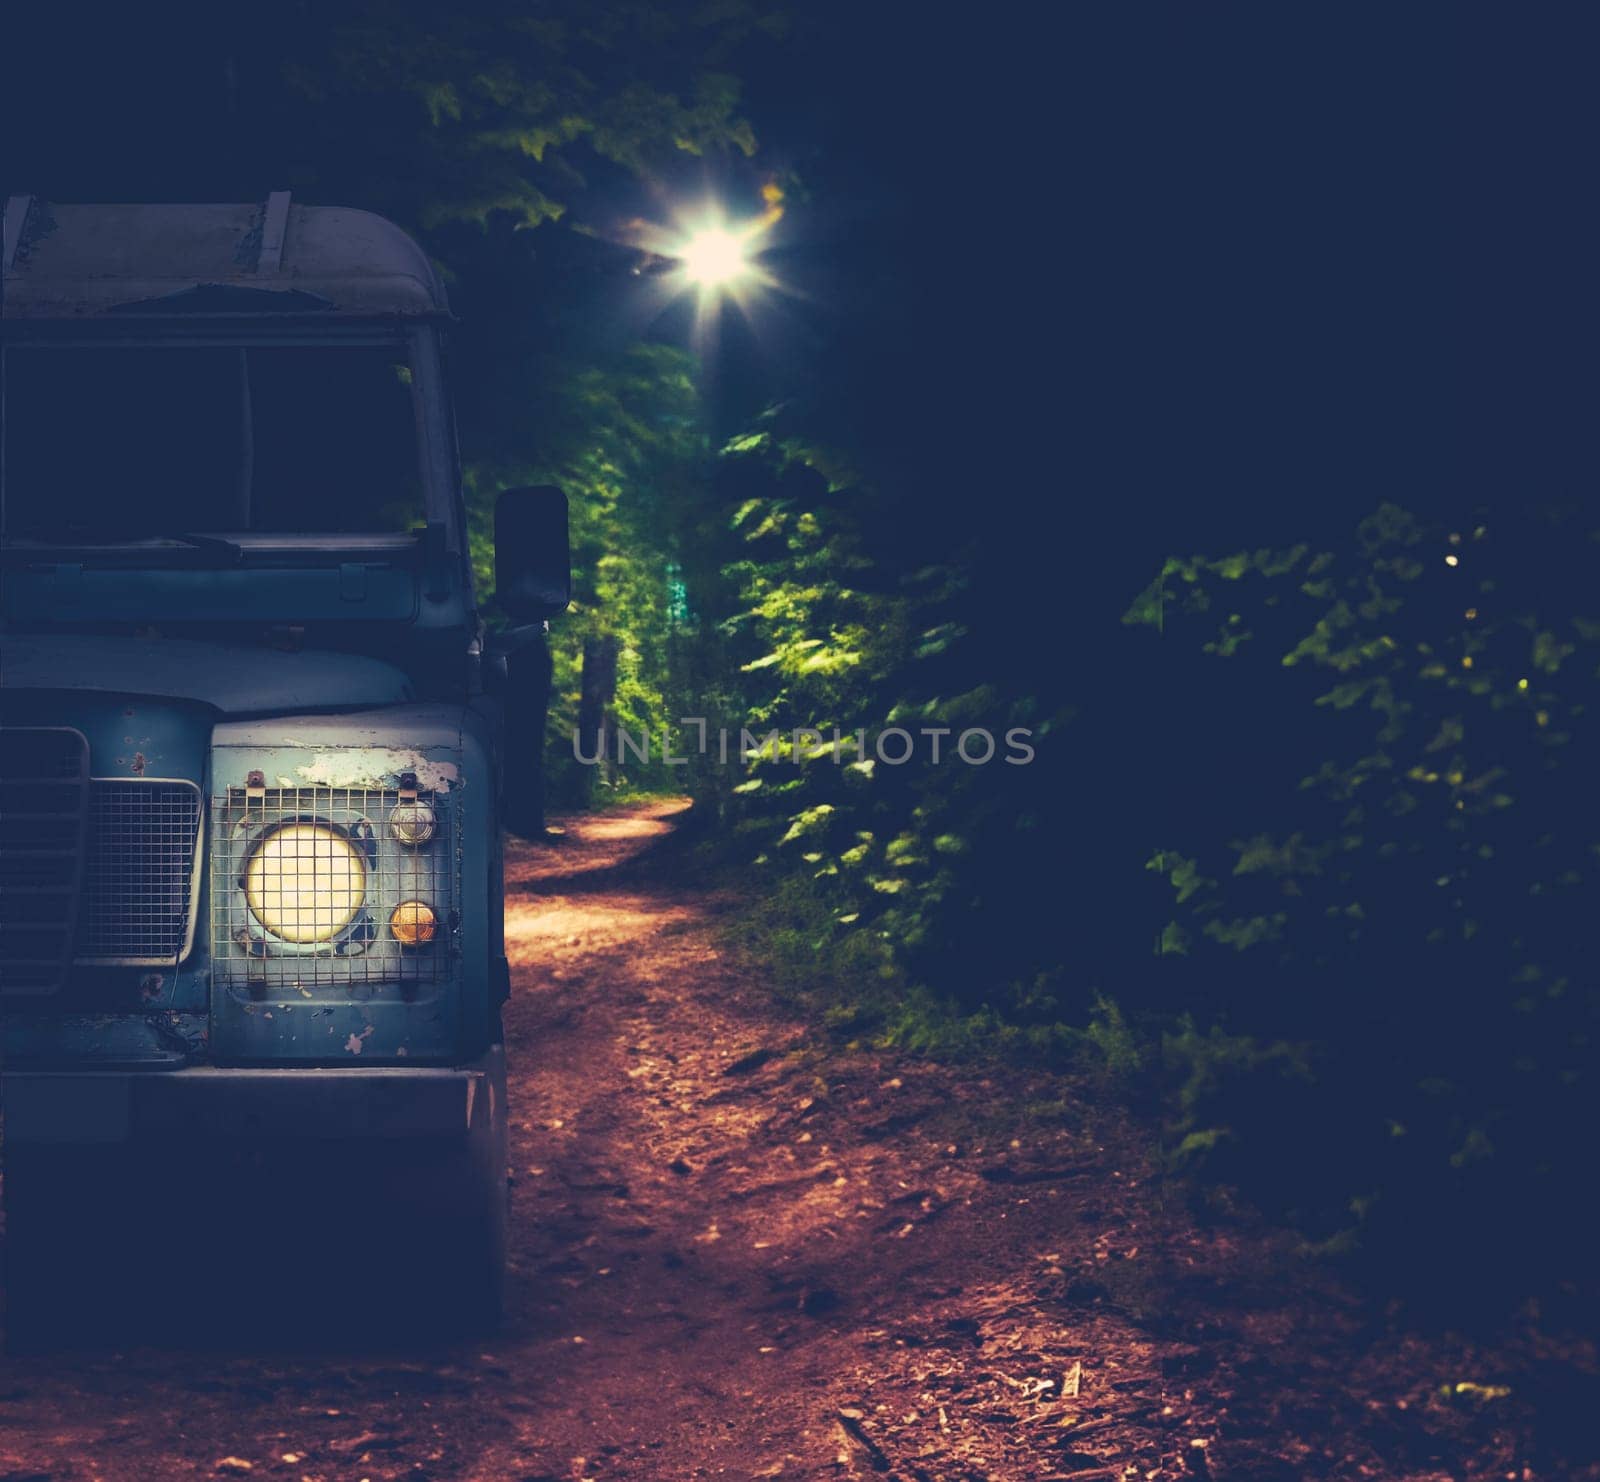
[{"x": 741, "y": 1253}]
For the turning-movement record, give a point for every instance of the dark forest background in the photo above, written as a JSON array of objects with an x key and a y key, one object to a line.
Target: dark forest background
[{"x": 1210, "y": 391}]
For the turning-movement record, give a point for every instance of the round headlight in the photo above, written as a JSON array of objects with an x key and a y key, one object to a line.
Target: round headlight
[
  {"x": 305, "y": 881},
  {"x": 412, "y": 823}
]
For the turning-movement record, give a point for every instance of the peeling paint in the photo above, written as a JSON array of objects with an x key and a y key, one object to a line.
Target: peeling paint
[
  {"x": 367, "y": 766},
  {"x": 354, "y": 1043}
]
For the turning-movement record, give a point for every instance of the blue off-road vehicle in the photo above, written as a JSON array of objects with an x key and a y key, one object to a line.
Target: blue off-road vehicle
[{"x": 255, "y": 743}]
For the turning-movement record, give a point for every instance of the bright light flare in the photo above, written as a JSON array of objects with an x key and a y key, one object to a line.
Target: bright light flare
[
  {"x": 715, "y": 257},
  {"x": 717, "y": 260}
]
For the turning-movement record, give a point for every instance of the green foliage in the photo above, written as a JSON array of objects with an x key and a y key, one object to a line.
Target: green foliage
[
  {"x": 1391, "y": 1001},
  {"x": 819, "y": 627},
  {"x": 795, "y": 930},
  {"x": 1116, "y": 1047},
  {"x": 460, "y": 112},
  {"x": 623, "y": 438}
]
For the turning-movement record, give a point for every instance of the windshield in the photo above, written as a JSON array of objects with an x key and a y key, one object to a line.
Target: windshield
[{"x": 117, "y": 442}]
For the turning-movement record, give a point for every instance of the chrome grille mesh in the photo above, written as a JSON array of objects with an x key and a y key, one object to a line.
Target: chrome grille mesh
[
  {"x": 139, "y": 875},
  {"x": 305, "y": 883}
]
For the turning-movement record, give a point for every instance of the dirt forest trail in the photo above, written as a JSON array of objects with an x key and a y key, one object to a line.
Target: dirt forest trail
[{"x": 741, "y": 1252}]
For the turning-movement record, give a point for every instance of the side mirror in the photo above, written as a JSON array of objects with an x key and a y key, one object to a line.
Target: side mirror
[{"x": 532, "y": 565}]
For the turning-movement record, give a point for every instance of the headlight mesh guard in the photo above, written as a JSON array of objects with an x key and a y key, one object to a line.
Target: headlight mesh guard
[{"x": 362, "y": 952}]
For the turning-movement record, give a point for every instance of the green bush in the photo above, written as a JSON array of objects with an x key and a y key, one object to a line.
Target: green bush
[
  {"x": 1388, "y": 970},
  {"x": 819, "y": 625}
]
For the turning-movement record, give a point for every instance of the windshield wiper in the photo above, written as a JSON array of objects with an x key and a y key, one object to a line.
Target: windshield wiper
[
  {"x": 121, "y": 551},
  {"x": 233, "y": 554}
]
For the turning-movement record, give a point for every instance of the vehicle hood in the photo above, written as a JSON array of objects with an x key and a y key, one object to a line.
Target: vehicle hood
[{"x": 237, "y": 679}]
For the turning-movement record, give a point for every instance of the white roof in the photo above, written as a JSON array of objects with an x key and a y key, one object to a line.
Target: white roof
[{"x": 271, "y": 258}]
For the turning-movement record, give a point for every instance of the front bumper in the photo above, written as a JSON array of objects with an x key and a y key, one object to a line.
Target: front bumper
[{"x": 207, "y": 1103}]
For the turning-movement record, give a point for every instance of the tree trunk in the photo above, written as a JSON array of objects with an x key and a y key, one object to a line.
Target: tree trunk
[{"x": 597, "y": 691}]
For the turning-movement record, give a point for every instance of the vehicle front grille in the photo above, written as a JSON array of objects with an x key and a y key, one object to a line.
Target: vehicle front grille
[
  {"x": 139, "y": 878},
  {"x": 44, "y": 790}
]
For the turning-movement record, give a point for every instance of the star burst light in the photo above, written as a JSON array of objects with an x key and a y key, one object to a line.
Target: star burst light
[{"x": 716, "y": 258}]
